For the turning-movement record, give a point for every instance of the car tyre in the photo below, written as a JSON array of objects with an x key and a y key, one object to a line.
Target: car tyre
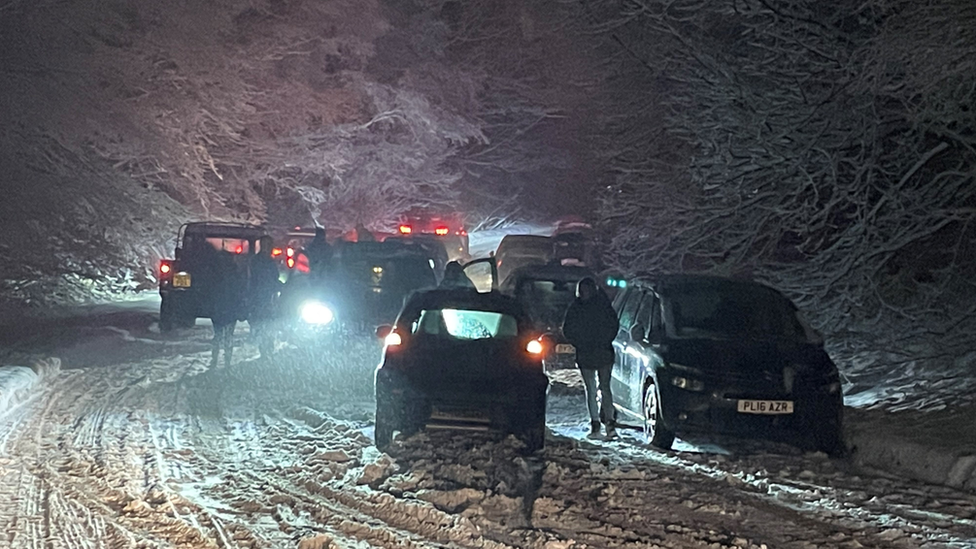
[
  {"x": 657, "y": 434},
  {"x": 167, "y": 315},
  {"x": 829, "y": 438},
  {"x": 534, "y": 437},
  {"x": 383, "y": 428}
]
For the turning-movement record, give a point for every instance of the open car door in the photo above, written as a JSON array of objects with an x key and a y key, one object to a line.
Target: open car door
[{"x": 483, "y": 273}]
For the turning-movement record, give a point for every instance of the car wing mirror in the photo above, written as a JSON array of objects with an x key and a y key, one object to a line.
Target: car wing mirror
[{"x": 383, "y": 331}]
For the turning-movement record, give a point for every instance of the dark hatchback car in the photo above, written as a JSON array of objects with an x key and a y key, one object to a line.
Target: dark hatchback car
[
  {"x": 546, "y": 291},
  {"x": 700, "y": 354},
  {"x": 459, "y": 359}
]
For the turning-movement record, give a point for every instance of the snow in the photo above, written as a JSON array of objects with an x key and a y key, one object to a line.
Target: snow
[
  {"x": 153, "y": 448},
  {"x": 18, "y": 384}
]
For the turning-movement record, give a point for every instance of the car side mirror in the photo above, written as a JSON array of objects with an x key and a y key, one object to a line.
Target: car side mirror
[{"x": 383, "y": 331}]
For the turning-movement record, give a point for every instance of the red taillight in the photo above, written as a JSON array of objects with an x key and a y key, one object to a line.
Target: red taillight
[
  {"x": 534, "y": 347},
  {"x": 392, "y": 339},
  {"x": 406, "y": 229},
  {"x": 463, "y": 232},
  {"x": 240, "y": 249},
  {"x": 441, "y": 231},
  {"x": 165, "y": 267},
  {"x": 290, "y": 262},
  {"x": 290, "y": 252},
  {"x": 275, "y": 252}
]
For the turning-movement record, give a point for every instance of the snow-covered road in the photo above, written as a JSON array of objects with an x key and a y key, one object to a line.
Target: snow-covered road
[{"x": 137, "y": 443}]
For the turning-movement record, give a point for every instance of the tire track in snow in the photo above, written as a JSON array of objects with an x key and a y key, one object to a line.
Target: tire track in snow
[
  {"x": 346, "y": 512},
  {"x": 845, "y": 506}
]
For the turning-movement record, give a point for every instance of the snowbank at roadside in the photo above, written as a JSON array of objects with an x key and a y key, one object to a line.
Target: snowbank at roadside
[
  {"x": 18, "y": 383},
  {"x": 937, "y": 447}
]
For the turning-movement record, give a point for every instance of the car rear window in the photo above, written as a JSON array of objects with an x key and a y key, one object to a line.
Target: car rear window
[
  {"x": 753, "y": 313},
  {"x": 464, "y": 324}
]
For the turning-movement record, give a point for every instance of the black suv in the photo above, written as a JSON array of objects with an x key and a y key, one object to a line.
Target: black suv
[
  {"x": 701, "y": 354},
  {"x": 188, "y": 283},
  {"x": 459, "y": 359}
]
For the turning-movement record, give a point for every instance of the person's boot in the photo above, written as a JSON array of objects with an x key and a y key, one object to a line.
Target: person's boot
[
  {"x": 594, "y": 429},
  {"x": 611, "y": 431}
]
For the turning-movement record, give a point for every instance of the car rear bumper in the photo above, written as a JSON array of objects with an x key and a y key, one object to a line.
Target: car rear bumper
[
  {"x": 714, "y": 413},
  {"x": 465, "y": 407}
]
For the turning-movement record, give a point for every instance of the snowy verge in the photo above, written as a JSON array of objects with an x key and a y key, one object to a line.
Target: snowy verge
[
  {"x": 18, "y": 383},
  {"x": 937, "y": 447}
]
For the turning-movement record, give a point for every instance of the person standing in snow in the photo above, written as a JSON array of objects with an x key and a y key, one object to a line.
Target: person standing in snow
[
  {"x": 319, "y": 252},
  {"x": 591, "y": 325},
  {"x": 225, "y": 281},
  {"x": 263, "y": 291}
]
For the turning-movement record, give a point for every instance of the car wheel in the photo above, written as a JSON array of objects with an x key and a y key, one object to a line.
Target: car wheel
[
  {"x": 829, "y": 438},
  {"x": 383, "y": 429},
  {"x": 167, "y": 315},
  {"x": 657, "y": 434},
  {"x": 534, "y": 437}
]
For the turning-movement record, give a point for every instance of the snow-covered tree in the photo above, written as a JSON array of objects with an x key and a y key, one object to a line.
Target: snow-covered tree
[{"x": 827, "y": 149}]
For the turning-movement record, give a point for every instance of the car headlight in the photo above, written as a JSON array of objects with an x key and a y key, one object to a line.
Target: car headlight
[
  {"x": 688, "y": 384},
  {"x": 313, "y": 312}
]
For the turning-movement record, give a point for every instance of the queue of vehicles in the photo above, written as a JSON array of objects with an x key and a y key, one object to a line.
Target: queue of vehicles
[{"x": 695, "y": 354}]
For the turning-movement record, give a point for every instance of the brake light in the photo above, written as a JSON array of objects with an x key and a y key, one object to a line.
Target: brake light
[
  {"x": 240, "y": 249},
  {"x": 392, "y": 339},
  {"x": 165, "y": 268},
  {"x": 290, "y": 252},
  {"x": 275, "y": 252},
  {"x": 463, "y": 232},
  {"x": 290, "y": 262},
  {"x": 406, "y": 229},
  {"x": 534, "y": 347},
  {"x": 441, "y": 231}
]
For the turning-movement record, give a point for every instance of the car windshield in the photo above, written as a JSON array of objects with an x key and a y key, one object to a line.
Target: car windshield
[
  {"x": 719, "y": 312},
  {"x": 546, "y": 301},
  {"x": 220, "y": 244},
  {"x": 464, "y": 324}
]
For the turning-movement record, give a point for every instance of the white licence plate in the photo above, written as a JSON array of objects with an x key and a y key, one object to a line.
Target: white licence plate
[
  {"x": 182, "y": 280},
  {"x": 765, "y": 406},
  {"x": 565, "y": 349}
]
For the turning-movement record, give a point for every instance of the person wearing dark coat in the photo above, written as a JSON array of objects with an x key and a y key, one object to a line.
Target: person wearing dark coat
[
  {"x": 454, "y": 278},
  {"x": 225, "y": 282},
  {"x": 591, "y": 325},
  {"x": 262, "y": 294},
  {"x": 319, "y": 252}
]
